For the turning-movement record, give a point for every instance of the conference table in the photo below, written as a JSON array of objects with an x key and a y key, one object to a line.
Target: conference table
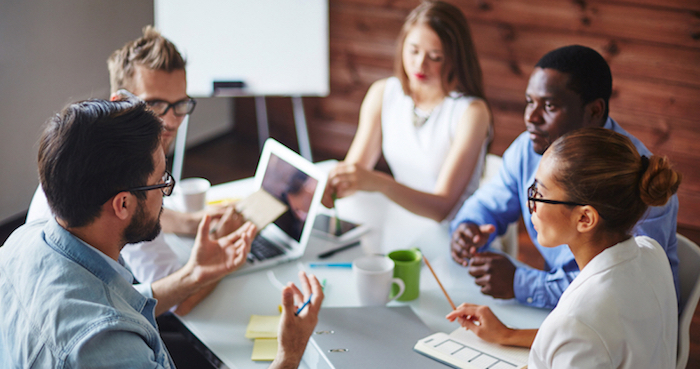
[{"x": 220, "y": 320}]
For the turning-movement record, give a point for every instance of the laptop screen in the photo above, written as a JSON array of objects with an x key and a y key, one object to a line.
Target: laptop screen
[{"x": 295, "y": 189}]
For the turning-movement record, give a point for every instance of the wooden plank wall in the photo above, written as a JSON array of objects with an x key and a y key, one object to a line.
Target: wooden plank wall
[{"x": 652, "y": 46}]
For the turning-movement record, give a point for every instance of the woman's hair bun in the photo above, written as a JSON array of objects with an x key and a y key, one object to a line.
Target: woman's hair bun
[{"x": 658, "y": 182}]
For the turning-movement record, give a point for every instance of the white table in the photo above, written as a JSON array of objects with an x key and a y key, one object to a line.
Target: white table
[{"x": 221, "y": 319}]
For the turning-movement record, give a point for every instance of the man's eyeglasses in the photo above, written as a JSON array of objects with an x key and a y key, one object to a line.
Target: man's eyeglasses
[
  {"x": 532, "y": 199},
  {"x": 166, "y": 187},
  {"x": 180, "y": 108}
]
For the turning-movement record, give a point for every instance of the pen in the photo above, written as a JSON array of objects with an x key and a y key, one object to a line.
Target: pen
[
  {"x": 303, "y": 306},
  {"x": 330, "y": 265},
  {"x": 341, "y": 248}
]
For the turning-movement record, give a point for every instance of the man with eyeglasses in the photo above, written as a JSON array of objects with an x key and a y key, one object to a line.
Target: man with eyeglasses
[
  {"x": 569, "y": 89},
  {"x": 66, "y": 298},
  {"x": 152, "y": 69}
]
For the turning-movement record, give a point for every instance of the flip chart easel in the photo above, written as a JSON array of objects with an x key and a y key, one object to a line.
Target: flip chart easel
[{"x": 252, "y": 48}]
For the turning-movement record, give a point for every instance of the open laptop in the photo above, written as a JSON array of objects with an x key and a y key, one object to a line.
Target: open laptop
[{"x": 297, "y": 183}]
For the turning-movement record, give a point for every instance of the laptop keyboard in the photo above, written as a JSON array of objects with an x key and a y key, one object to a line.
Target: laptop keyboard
[{"x": 262, "y": 249}]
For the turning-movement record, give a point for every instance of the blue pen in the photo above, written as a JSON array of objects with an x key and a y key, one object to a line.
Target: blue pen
[
  {"x": 303, "y": 306},
  {"x": 330, "y": 265}
]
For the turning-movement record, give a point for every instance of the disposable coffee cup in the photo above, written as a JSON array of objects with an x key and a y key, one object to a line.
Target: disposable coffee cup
[{"x": 194, "y": 193}]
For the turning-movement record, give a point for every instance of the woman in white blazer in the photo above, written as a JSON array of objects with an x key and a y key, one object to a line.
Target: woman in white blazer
[{"x": 590, "y": 189}]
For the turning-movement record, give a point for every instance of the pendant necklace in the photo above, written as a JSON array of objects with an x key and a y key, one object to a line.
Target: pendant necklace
[{"x": 420, "y": 117}]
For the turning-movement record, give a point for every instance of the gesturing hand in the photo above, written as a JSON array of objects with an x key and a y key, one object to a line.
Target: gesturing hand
[
  {"x": 229, "y": 221},
  {"x": 467, "y": 238},
  {"x": 494, "y": 273},
  {"x": 211, "y": 259},
  {"x": 294, "y": 331}
]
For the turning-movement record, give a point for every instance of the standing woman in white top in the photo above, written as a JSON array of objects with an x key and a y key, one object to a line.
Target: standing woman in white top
[
  {"x": 431, "y": 121},
  {"x": 590, "y": 189}
]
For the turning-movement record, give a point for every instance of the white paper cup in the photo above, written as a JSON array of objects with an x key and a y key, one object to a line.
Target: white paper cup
[
  {"x": 194, "y": 193},
  {"x": 374, "y": 276}
]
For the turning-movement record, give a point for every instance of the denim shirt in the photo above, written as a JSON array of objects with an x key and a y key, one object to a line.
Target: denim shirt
[
  {"x": 503, "y": 200},
  {"x": 64, "y": 306}
]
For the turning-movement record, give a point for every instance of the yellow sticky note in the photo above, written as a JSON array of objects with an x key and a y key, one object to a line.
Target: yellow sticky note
[
  {"x": 224, "y": 201},
  {"x": 264, "y": 349},
  {"x": 262, "y": 326}
]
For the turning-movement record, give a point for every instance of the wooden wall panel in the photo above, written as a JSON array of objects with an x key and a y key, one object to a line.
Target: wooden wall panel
[
  {"x": 643, "y": 60},
  {"x": 652, "y": 46}
]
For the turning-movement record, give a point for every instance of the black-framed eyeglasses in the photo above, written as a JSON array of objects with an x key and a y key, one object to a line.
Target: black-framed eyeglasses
[
  {"x": 166, "y": 187},
  {"x": 532, "y": 199},
  {"x": 180, "y": 108}
]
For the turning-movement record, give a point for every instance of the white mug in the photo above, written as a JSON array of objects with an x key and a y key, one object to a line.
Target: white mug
[
  {"x": 194, "y": 193},
  {"x": 374, "y": 276}
]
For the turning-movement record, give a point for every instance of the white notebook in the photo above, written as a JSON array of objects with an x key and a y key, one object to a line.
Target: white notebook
[{"x": 463, "y": 349}]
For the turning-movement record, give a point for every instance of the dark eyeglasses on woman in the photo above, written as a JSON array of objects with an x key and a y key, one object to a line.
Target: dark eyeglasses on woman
[{"x": 532, "y": 199}]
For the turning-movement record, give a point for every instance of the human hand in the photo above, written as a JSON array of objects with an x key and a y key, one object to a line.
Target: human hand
[
  {"x": 211, "y": 259},
  {"x": 467, "y": 238},
  {"x": 229, "y": 221},
  {"x": 348, "y": 178},
  {"x": 480, "y": 320},
  {"x": 339, "y": 179},
  {"x": 188, "y": 223},
  {"x": 494, "y": 273},
  {"x": 294, "y": 331},
  {"x": 329, "y": 197}
]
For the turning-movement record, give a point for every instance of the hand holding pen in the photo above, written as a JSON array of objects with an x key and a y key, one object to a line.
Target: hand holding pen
[{"x": 299, "y": 318}]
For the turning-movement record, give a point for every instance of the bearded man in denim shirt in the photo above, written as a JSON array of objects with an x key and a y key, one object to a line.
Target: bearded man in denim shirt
[{"x": 66, "y": 297}]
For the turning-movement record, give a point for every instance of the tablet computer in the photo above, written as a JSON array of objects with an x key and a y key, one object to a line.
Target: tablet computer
[{"x": 325, "y": 227}]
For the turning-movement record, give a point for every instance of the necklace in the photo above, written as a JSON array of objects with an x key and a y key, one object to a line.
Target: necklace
[{"x": 420, "y": 117}]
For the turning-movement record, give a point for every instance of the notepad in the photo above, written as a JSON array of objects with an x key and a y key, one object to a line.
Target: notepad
[
  {"x": 261, "y": 208},
  {"x": 463, "y": 349},
  {"x": 262, "y": 326},
  {"x": 264, "y": 349}
]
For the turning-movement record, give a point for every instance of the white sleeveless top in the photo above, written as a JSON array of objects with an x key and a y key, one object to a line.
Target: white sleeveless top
[{"x": 415, "y": 154}]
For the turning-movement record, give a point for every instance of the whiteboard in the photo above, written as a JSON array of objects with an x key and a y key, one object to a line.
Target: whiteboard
[{"x": 275, "y": 47}]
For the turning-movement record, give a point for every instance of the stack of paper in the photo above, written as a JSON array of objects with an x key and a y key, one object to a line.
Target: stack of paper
[{"x": 263, "y": 329}]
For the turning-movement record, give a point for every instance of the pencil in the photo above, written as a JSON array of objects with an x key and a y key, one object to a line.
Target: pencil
[{"x": 440, "y": 284}]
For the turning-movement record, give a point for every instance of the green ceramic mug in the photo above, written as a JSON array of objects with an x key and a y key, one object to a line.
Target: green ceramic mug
[{"x": 407, "y": 267}]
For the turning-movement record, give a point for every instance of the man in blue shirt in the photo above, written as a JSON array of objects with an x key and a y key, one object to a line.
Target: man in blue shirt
[
  {"x": 569, "y": 89},
  {"x": 152, "y": 68},
  {"x": 66, "y": 297}
]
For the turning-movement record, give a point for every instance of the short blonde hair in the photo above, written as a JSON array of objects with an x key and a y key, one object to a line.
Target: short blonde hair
[{"x": 152, "y": 51}]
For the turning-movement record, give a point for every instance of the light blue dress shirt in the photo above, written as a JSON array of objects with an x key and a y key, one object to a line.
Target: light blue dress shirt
[
  {"x": 503, "y": 200},
  {"x": 64, "y": 306}
]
